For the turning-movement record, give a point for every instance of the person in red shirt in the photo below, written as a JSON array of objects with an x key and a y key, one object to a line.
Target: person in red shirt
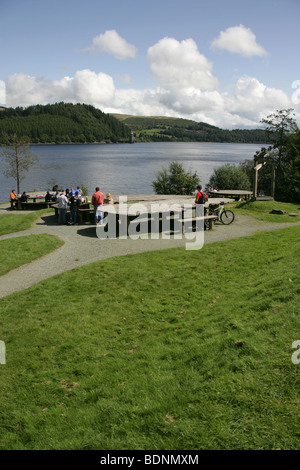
[
  {"x": 97, "y": 201},
  {"x": 201, "y": 197}
]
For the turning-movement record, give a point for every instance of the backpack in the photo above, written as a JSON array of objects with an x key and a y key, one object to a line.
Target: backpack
[{"x": 202, "y": 198}]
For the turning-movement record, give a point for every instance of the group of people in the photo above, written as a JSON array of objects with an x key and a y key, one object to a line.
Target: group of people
[
  {"x": 211, "y": 189},
  {"x": 53, "y": 197},
  {"x": 73, "y": 199},
  {"x": 67, "y": 198},
  {"x": 14, "y": 199}
]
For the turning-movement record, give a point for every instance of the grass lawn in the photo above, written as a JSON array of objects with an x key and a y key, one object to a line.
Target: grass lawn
[
  {"x": 10, "y": 223},
  {"x": 261, "y": 210},
  {"x": 17, "y": 251},
  {"x": 163, "y": 350}
]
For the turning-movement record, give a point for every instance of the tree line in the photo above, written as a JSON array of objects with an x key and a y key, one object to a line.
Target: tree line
[
  {"x": 81, "y": 123},
  {"x": 61, "y": 123}
]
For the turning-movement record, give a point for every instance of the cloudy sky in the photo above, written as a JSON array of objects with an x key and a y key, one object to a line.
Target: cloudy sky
[{"x": 229, "y": 63}]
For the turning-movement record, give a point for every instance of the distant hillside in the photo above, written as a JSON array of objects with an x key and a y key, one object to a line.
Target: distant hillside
[
  {"x": 158, "y": 128},
  {"x": 61, "y": 123}
]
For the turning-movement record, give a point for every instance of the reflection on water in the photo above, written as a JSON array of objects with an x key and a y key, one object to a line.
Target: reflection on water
[{"x": 122, "y": 168}]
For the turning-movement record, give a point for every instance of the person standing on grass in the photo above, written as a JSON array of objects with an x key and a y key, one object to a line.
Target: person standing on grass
[
  {"x": 62, "y": 208},
  {"x": 97, "y": 201},
  {"x": 74, "y": 206}
]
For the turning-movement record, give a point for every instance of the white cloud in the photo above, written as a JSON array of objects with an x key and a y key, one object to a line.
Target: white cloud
[
  {"x": 112, "y": 43},
  {"x": 240, "y": 40},
  {"x": 85, "y": 87},
  {"x": 90, "y": 87},
  {"x": 190, "y": 101},
  {"x": 2, "y": 93},
  {"x": 247, "y": 103},
  {"x": 23, "y": 90},
  {"x": 180, "y": 65},
  {"x": 253, "y": 100},
  {"x": 139, "y": 102}
]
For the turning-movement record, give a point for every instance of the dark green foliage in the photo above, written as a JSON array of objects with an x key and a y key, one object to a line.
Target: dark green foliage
[
  {"x": 230, "y": 177},
  {"x": 61, "y": 123},
  {"x": 175, "y": 180},
  {"x": 288, "y": 173},
  {"x": 285, "y": 154}
]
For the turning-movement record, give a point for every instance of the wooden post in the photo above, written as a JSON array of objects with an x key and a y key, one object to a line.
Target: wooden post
[
  {"x": 255, "y": 184},
  {"x": 257, "y": 167},
  {"x": 273, "y": 182}
]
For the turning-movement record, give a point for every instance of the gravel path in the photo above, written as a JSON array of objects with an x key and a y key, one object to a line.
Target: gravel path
[{"x": 83, "y": 247}]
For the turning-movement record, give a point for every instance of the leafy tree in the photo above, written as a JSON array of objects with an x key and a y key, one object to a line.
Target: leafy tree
[
  {"x": 247, "y": 167},
  {"x": 284, "y": 153},
  {"x": 279, "y": 126},
  {"x": 175, "y": 180},
  {"x": 17, "y": 159},
  {"x": 230, "y": 177},
  {"x": 288, "y": 175}
]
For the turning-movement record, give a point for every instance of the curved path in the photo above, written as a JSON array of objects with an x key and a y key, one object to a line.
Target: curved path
[{"x": 83, "y": 247}]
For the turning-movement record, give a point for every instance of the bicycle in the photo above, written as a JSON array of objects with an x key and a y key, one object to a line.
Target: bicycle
[{"x": 225, "y": 216}]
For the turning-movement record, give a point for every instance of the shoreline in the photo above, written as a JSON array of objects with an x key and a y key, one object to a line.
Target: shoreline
[{"x": 145, "y": 142}]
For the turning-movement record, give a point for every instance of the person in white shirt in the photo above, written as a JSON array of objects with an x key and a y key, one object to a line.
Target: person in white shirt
[{"x": 62, "y": 208}]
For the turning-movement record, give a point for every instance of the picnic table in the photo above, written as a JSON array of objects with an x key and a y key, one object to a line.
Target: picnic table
[
  {"x": 148, "y": 214},
  {"x": 236, "y": 194},
  {"x": 85, "y": 212},
  {"x": 231, "y": 193},
  {"x": 33, "y": 203}
]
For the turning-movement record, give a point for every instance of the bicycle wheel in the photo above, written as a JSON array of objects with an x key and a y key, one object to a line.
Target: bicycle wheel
[{"x": 227, "y": 217}]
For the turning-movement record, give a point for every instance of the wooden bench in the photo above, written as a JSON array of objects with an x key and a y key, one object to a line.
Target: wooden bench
[
  {"x": 85, "y": 212},
  {"x": 31, "y": 206},
  {"x": 85, "y": 215}
]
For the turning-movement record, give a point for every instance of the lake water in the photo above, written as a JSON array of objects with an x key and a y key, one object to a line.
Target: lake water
[{"x": 122, "y": 168}]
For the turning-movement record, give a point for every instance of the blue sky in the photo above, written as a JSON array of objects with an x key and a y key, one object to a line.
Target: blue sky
[{"x": 229, "y": 63}]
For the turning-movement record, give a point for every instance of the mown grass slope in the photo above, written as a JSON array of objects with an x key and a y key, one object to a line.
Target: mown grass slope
[{"x": 163, "y": 350}]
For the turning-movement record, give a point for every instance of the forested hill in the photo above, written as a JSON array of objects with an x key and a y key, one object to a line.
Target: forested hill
[
  {"x": 61, "y": 123},
  {"x": 157, "y": 129},
  {"x": 81, "y": 123}
]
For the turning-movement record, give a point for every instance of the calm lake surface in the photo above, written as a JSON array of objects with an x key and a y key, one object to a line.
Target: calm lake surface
[{"x": 122, "y": 168}]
